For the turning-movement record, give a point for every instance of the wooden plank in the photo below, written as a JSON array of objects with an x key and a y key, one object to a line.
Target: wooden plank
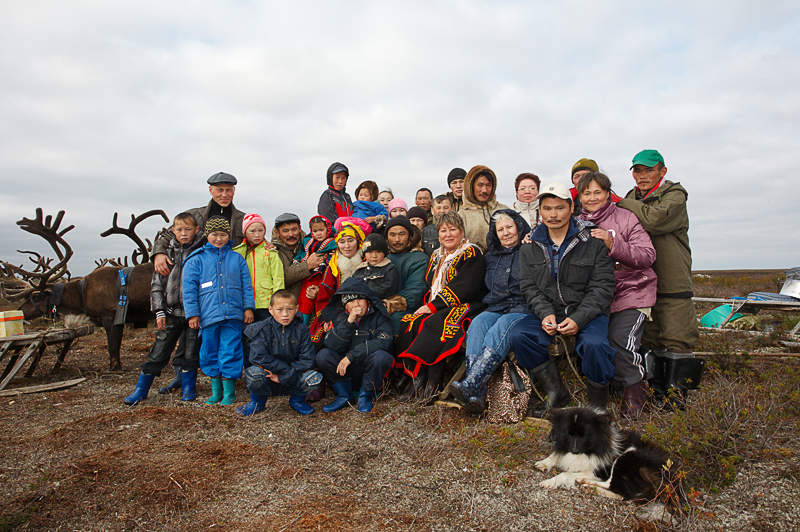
[
  {"x": 28, "y": 353},
  {"x": 52, "y": 336},
  {"x": 42, "y": 387},
  {"x": 61, "y": 355},
  {"x": 35, "y": 361},
  {"x": 4, "y": 349}
]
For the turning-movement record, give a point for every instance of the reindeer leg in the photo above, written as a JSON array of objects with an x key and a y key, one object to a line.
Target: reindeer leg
[{"x": 114, "y": 339}]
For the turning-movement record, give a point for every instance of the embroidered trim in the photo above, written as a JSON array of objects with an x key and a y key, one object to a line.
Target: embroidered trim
[{"x": 452, "y": 322}]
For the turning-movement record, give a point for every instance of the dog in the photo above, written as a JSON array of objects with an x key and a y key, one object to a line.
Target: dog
[{"x": 591, "y": 451}]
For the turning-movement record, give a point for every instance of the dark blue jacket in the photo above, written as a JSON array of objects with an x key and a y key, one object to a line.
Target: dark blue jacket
[
  {"x": 216, "y": 285},
  {"x": 502, "y": 269},
  {"x": 285, "y": 351},
  {"x": 373, "y": 332}
]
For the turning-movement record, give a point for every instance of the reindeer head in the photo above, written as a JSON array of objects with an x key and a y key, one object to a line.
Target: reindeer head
[{"x": 34, "y": 286}]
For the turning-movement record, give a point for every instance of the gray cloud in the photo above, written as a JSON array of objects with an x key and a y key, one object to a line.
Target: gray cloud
[{"x": 127, "y": 107}]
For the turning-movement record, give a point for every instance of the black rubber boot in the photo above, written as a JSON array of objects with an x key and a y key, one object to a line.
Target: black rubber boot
[
  {"x": 174, "y": 384},
  {"x": 681, "y": 375},
  {"x": 549, "y": 383},
  {"x": 598, "y": 395}
]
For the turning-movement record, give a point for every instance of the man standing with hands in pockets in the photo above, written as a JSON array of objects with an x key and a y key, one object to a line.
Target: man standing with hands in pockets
[{"x": 567, "y": 279}]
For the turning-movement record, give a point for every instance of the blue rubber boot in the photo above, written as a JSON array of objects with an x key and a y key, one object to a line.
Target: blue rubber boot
[
  {"x": 142, "y": 387},
  {"x": 174, "y": 384},
  {"x": 255, "y": 405},
  {"x": 188, "y": 385},
  {"x": 366, "y": 400},
  {"x": 228, "y": 392},
  {"x": 216, "y": 391},
  {"x": 298, "y": 402},
  {"x": 342, "y": 389}
]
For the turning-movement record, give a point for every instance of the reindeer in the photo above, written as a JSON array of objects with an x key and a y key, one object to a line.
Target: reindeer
[{"x": 97, "y": 294}]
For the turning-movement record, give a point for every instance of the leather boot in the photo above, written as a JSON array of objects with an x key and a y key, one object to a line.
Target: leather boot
[
  {"x": 228, "y": 392},
  {"x": 299, "y": 404},
  {"x": 174, "y": 384},
  {"x": 343, "y": 390},
  {"x": 634, "y": 398},
  {"x": 681, "y": 374},
  {"x": 416, "y": 389},
  {"x": 470, "y": 391},
  {"x": 256, "y": 405},
  {"x": 216, "y": 391},
  {"x": 434, "y": 383},
  {"x": 598, "y": 395},
  {"x": 142, "y": 387},
  {"x": 549, "y": 383},
  {"x": 188, "y": 385}
]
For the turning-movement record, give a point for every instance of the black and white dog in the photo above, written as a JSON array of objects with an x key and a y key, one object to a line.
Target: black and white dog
[{"x": 590, "y": 451}]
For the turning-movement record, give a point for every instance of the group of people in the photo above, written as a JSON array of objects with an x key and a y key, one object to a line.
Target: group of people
[{"x": 377, "y": 291}]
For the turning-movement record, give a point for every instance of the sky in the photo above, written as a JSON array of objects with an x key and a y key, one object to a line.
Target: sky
[{"x": 129, "y": 106}]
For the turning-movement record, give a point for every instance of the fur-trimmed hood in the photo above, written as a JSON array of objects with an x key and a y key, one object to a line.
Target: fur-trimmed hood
[
  {"x": 469, "y": 197},
  {"x": 493, "y": 244}
]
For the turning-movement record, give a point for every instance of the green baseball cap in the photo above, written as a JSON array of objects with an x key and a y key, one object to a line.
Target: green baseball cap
[{"x": 648, "y": 158}]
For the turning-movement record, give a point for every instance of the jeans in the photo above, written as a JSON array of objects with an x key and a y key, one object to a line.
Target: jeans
[
  {"x": 176, "y": 330},
  {"x": 529, "y": 342},
  {"x": 490, "y": 329}
]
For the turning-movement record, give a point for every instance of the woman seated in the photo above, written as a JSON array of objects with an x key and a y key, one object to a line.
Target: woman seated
[
  {"x": 487, "y": 339},
  {"x": 635, "y": 293},
  {"x": 436, "y": 330}
]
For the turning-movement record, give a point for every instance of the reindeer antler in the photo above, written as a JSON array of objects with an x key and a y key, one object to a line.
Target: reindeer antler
[
  {"x": 142, "y": 250},
  {"x": 49, "y": 229}
]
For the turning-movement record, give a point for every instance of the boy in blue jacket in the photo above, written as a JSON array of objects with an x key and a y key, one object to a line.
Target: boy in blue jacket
[
  {"x": 357, "y": 345},
  {"x": 281, "y": 357},
  {"x": 218, "y": 299}
]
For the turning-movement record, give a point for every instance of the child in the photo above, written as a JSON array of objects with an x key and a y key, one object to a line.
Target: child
[
  {"x": 320, "y": 241},
  {"x": 165, "y": 302},
  {"x": 340, "y": 267},
  {"x": 335, "y": 202},
  {"x": 217, "y": 298},
  {"x": 442, "y": 204},
  {"x": 366, "y": 206},
  {"x": 356, "y": 346},
  {"x": 378, "y": 272},
  {"x": 265, "y": 266},
  {"x": 281, "y": 357},
  {"x": 397, "y": 207},
  {"x": 384, "y": 197},
  {"x": 418, "y": 216}
]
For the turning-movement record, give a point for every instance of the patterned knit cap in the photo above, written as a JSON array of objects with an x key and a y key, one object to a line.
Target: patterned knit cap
[{"x": 217, "y": 223}]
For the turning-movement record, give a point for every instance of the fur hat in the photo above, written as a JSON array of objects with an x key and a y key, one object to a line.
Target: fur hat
[
  {"x": 250, "y": 219},
  {"x": 217, "y": 223}
]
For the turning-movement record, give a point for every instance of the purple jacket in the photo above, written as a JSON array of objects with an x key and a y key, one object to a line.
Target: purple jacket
[{"x": 634, "y": 255}]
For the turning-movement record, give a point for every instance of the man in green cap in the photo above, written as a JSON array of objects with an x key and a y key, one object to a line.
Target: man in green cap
[{"x": 660, "y": 206}]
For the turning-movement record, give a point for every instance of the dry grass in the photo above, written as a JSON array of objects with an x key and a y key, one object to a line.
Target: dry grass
[{"x": 80, "y": 459}]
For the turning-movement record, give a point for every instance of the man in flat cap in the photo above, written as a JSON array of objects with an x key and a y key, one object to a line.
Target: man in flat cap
[
  {"x": 221, "y": 186},
  {"x": 287, "y": 237}
]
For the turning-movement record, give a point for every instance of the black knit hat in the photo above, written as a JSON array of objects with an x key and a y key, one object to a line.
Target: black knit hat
[
  {"x": 375, "y": 242},
  {"x": 417, "y": 212},
  {"x": 216, "y": 223},
  {"x": 456, "y": 173},
  {"x": 398, "y": 220}
]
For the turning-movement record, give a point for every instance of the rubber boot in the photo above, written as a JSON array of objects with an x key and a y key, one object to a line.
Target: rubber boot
[
  {"x": 469, "y": 392},
  {"x": 255, "y": 405},
  {"x": 142, "y": 387},
  {"x": 298, "y": 402},
  {"x": 174, "y": 384},
  {"x": 435, "y": 383},
  {"x": 681, "y": 374},
  {"x": 228, "y": 392},
  {"x": 188, "y": 385},
  {"x": 598, "y": 395},
  {"x": 634, "y": 398},
  {"x": 342, "y": 389},
  {"x": 548, "y": 381},
  {"x": 216, "y": 391},
  {"x": 366, "y": 400}
]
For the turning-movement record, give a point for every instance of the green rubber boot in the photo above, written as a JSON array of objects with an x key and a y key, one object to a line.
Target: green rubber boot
[
  {"x": 216, "y": 391},
  {"x": 229, "y": 392}
]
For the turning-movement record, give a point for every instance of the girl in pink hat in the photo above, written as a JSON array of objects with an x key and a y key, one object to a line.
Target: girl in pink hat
[{"x": 266, "y": 269}]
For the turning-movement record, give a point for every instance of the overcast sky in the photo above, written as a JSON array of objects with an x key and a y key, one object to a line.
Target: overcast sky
[{"x": 129, "y": 106}]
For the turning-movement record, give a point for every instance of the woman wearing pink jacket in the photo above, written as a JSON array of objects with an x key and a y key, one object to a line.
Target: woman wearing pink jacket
[{"x": 635, "y": 294}]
